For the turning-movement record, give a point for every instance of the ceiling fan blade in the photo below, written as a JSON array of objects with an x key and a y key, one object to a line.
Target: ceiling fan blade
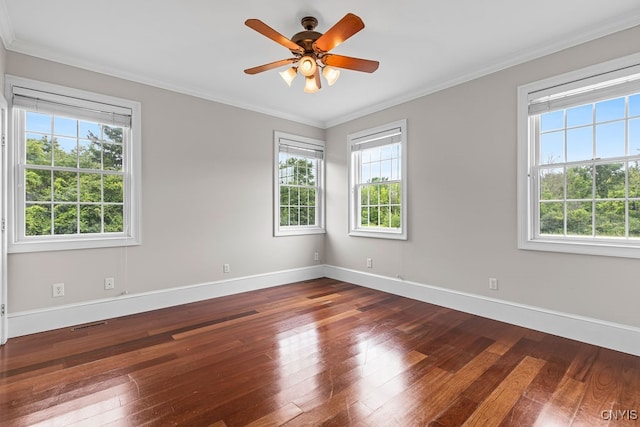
[
  {"x": 270, "y": 66},
  {"x": 269, "y": 32},
  {"x": 350, "y": 63},
  {"x": 342, "y": 30}
]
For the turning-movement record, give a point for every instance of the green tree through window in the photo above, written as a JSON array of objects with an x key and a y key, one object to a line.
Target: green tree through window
[{"x": 74, "y": 180}]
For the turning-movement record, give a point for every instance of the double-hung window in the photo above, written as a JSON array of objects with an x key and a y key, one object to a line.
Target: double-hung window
[
  {"x": 378, "y": 182},
  {"x": 298, "y": 185},
  {"x": 76, "y": 168},
  {"x": 579, "y": 161}
]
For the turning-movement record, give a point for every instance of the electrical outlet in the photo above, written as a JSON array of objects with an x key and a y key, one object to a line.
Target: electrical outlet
[
  {"x": 109, "y": 283},
  {"x": 369, "y": 263},
  {"x": 316, "y": 256},
  {"x": 57, "y": 290},
  {"x": 493, "y": 283},
  {"x": 226, "y": 268}
]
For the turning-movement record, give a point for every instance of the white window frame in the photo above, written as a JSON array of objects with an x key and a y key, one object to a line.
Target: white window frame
[
  {"x": 303, "y": 146},
  {"x": 592, "y": 84},
  {"x": 390, "y": 133},
  {"x": 17, "y": 241}
]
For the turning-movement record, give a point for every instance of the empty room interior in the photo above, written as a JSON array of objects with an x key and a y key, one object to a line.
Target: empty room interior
[{"x": 320, "y": 213}]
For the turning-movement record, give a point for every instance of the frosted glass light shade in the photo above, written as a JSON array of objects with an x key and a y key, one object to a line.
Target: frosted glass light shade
[
  {"x": 307, "y": 66},
  {"x": 331, "y": 74},
  {"x": 310, "y": 85},
  {"x": 288, "y": 75}
]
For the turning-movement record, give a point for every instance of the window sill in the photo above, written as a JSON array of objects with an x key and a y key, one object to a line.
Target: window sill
[
  {"x": 71, "y": 244},
  {"x": 379, "y": 234},
  {"x": 605, "y": 248},
  {"x": 299, "y": 231}
]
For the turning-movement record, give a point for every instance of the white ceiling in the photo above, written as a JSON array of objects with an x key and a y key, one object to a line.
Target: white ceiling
[{"x": 201, "y": 47}]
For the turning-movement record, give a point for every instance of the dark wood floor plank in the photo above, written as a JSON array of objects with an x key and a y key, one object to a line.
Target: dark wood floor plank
[{"x": 319, "y": 352}]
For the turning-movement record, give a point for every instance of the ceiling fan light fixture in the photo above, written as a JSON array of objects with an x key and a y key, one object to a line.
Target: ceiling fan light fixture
[
  {"x": 288, "y": 75},
  {"x": 331, "y": 74},
  {"x": 307, "y": 65},
  {"x": 310, "y": 85}
]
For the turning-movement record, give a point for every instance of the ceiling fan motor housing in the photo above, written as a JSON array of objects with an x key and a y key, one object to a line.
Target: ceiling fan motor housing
[{"x": 306, "y": 38}]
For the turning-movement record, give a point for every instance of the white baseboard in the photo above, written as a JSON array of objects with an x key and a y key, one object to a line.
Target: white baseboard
[
  {"x": 593, "y": 331},
  {"x": 610, "y": 335},
  {"x": 33, "y": 321}
]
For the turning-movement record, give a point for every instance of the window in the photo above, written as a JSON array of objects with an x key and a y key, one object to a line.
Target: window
[
  {"x": 76, "y": 163},
  {"x": 579, "y": 161},
  {"x": 378, "y": 182},
  {"x": 299, "y": 185}
]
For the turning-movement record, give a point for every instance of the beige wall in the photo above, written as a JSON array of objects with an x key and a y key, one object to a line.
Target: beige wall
[
  {"x": 462, "y": 199},
  {"x": 206, "y": 199}
]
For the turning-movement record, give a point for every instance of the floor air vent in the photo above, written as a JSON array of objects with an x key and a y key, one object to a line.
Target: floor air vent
[{"x": 88, "y": 325}]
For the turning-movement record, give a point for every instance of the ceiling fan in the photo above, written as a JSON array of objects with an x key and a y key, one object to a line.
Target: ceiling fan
[{"x": 311, "y": 51}]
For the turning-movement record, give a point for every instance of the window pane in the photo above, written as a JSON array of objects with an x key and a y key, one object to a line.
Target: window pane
[
  {"x": 91, "y": 187},
  {"x": 89, "y": 155},
  {"x": 612, "y": 109},
  {"x": 610, "y": 181},
  {"x": 395, "y": 217},
  {"x": 37, "y": 219},
  {"x": 284, "y": 195},
  {"x": 294, "y": 216},
  {"x": 312, "y": 217},
  {"x": 65, "y": 219},
  {"x": 385, "y": 216},
  {"x": 112, "y": 134},
  {"x": 552, "y": 218},
  {"x": 610, "y": 140},
  {"x": 579, "y": 182},
  {"x": 312, "y": 197},
  {"x": 284, "y": 216},
  {"x": 552, "y": 121},
  {"x": 37, "y": 185},
  {"x": 112, "y": 157},
  {"x": 552, "y": 147},
  {"x": 113, "y": 188},
  {"x": 38, "y": 150},
  {"x": 90, "y": 219},
  {"x": 366, "y": 172},
  {"x": 394, "y": 193},
  {"x": 89, "y": 130},
  {"x": 580, "y": 144},
  {"x": 63, "y": 126},
  {"x": 304, "y": 197},
  {"x": 65, "y": 152},
  {"x": 304, "y": 216},
  {"x": 552, "y": 184},
  {"x": 579, "y": 116},
  {"x": 113, "y": 219},
  {"x": 384, "y": 194},
  {"x": 364, "y": 216},
  {"x": 610, "y": 219},
  {"x": 634, "y": 105},
  {"x": 375, "y": 154},
  {"x": 634, "y": 218},
  {"x": 634, "y": 179},
  {"x": 634, "y": 137},
  {"x": 580, "y": 218},
  {"x": 65, "y": 186},
  {"x": 37, "y": 122}
]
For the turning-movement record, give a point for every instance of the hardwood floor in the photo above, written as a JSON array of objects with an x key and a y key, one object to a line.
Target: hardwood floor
[{"x": 315, "y": 353}]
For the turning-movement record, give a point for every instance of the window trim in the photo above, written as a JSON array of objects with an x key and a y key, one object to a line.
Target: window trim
[
  {"x": 18, "y": 243},
  {"x": 353, "y": 140},
  {"x": 303, "y": 143},
  {"x": 526, "y": 206}
]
